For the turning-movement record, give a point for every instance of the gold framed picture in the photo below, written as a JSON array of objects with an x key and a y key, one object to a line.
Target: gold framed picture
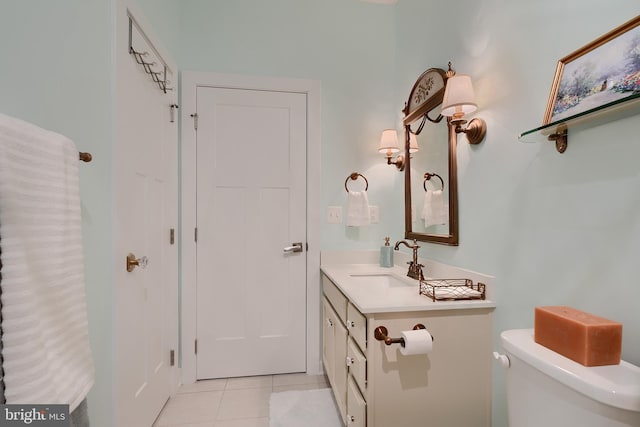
[{"x": 605, "y": 71}]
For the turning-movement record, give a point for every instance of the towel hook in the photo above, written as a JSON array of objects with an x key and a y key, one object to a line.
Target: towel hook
[
  {"x": 159, "y": 77},
  {"x": 354, "y": 176},
  {"x": 428, "y": 176}
]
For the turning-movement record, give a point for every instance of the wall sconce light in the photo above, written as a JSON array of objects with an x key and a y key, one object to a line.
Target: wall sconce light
[
  {"x": 413, "y": 143},
  {"x": 389, "y": 146},
  {"x": 459, "y": 99}
]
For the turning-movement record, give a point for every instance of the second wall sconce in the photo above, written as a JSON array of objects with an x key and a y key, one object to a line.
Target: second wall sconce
[
  {"x": 413, "y": 143},
  {"x": 459, "y": 99},
  {"x": 389, "y": 146}
]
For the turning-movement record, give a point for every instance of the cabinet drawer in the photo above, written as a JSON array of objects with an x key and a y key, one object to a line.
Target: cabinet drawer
[
  {"x": 357, "y": 364},
  {"x": 357, "y": 325},
  {"x": 335, "y": 297},
  {"x": 356, "y": 406}
]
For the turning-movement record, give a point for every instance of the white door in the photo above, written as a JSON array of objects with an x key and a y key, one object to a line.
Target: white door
[
  {"x": 145, "y": 188},
  {"x": 251, "y": 206}
]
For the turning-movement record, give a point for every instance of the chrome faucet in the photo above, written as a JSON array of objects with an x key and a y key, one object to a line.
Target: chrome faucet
[{"x": 415, "y": 269}]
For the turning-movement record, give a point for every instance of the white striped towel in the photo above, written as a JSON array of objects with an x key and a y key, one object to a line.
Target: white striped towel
[{"x": 47, "y": 358}]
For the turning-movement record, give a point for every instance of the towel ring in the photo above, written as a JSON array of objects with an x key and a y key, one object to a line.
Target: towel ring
[
  {"x": 354, "y": 176},
  {"x": 428, "y": 176}
]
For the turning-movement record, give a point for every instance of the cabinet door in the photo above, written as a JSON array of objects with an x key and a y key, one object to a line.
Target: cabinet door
[
  {"x": 340, "y": 388},
  {"x": 356, "y": 406},
  {"x": 334, "y": 354},
  {"x": 328, "y": 341}
]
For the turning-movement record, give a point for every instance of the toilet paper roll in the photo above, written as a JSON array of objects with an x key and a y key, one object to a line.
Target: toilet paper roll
[{"x": 416, "y": 342}]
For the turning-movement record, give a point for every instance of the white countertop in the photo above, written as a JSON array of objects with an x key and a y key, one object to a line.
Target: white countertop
[{"x": 378, "y": 298}]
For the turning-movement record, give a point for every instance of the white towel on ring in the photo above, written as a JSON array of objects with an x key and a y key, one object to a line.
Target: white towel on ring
[
  {"x": 47, "y": 358},
  {"x": 358, "y": 209},
  {"x": 434, "y": 211}
]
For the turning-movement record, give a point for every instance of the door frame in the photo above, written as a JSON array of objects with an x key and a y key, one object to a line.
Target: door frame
[{"x": 190, "y": 80}]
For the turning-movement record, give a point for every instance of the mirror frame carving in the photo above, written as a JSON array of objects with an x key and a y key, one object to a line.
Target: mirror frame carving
[{"x": 419, "y": 105}]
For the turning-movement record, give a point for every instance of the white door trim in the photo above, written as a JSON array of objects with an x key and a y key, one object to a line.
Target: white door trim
[{"x": 189, "y": 82}]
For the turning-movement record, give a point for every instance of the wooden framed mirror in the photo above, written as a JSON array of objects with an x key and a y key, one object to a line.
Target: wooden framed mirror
[{"x": 430, "y": 217}]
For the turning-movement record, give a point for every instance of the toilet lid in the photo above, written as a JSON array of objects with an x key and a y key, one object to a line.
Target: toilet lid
[{"x": 613, "y": 385}]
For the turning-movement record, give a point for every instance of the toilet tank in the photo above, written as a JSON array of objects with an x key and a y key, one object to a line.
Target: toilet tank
[{"x": 547, "y": 389}]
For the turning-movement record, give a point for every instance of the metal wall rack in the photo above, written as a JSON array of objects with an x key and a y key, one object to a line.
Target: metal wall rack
[{"x": 159, "y": 76}]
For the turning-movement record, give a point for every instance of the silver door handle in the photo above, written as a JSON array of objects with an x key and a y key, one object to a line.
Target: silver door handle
[{"x": 297, "y": 247}]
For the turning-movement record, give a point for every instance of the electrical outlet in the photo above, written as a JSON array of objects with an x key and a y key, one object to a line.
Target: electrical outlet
[
  {"x": 334, "y": 214},
  {"x": 374, "y": 214}
]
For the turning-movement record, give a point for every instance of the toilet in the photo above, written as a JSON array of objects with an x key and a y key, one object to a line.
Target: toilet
[{"x": 547, "y": 389}]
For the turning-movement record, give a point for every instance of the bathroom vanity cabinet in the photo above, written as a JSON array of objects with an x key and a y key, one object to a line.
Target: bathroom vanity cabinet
[{"x": 376, "y": 386}]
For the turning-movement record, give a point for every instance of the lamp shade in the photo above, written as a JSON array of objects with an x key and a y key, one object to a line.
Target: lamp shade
[
  {"x": 459, "y": 98},
  {"x": 413, "y": 143},
  {"x": 389, "y": 141}
]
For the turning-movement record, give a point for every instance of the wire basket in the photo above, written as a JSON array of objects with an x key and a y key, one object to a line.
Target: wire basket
[{"x": 452, "y": 289}]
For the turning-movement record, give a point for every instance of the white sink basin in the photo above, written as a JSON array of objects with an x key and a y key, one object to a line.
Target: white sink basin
[{"x": 384, "y": 280}]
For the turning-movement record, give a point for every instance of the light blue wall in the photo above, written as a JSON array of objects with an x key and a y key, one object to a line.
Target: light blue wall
[
  {"x": 347, "y": 45},
  {"x": 56, "y": 73},
  {"x": 554, "y": 229},
  {"x": 165, "y": 17}
]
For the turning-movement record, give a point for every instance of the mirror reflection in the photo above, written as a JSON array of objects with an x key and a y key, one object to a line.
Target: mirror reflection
[
  {"x": 430, "y": 182},
  {"x": 431, "y": 211}
]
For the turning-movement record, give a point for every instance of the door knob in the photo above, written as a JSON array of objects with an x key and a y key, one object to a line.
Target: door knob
[
  {"x": 132, "y": 262},
  {"x": 295, "y": 247}
]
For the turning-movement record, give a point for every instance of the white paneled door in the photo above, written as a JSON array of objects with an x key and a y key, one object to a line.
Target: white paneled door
[
  {"x": 146, "y": 198},
  {"x": 251, "y": 220}
]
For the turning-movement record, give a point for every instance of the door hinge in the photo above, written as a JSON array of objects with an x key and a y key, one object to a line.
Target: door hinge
[
  {"x": 172, "y": 112},
  {"x": 172, "y": 236},
  {"x": 307, "y": 246},
  {"x": 195, "y": 234},
  {"x": 195, "y": 121},
  {"x": 196, "y": 346},
  {"x": 172, "y": 358}
]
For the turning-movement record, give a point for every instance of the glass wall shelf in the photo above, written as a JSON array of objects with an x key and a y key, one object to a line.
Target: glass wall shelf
[{"x": 558, "y": 130}]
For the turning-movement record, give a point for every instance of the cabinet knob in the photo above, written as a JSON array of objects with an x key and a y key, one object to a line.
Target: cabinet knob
[
  {"x": 349, "y": 361},
  {"x": 351, "y": 419},
  {"x": 351, "y": 324},
  {"x": 329, "y": 322}
]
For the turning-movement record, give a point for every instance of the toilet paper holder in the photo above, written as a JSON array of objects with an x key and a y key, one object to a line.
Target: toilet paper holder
[{"x": 381, "y": 333}]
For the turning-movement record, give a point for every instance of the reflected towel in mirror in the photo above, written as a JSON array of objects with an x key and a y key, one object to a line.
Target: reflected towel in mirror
[
  {"x": 434, "y": 211},
  {"x": 358, "y": 209}
]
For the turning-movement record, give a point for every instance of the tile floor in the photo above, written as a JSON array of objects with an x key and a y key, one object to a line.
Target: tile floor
[{"x": 233, "y": 402}]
